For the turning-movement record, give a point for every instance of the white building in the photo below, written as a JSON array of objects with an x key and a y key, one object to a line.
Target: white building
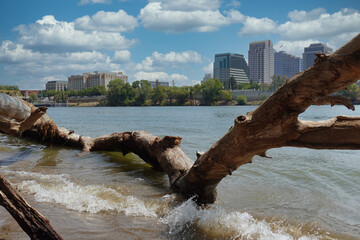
[
  {"x": 97, "y": 78},
  {"x": 57, "y": 85},
  {"x": 261, "y": 61}
]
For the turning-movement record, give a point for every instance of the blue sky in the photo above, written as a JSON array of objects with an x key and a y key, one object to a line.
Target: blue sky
[{"x": 43, "y": 40}]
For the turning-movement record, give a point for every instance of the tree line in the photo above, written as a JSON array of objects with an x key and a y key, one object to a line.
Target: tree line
[{"x": 140, "y": 92}]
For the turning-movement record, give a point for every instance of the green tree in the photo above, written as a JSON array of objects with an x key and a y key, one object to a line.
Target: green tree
[
  {"x": 143, "y": 91},
  {"x": 241, "y": 100},
  {"x": 227, "y": 96},
  {"x": 182, "y": 94},
  {"x": 211, "y": 90},
  {"x": 74, "y": 93},
  {"x": 120, "y": 93},
  {"x": 244, "y": 86},
  {"x": 352, "y": 92},
  {"x": 8, "y": 87},
  {"x": 33, "y": 97},
  {"x": 277, "y": 81},
  {"x": 96, "y": 91},
  {"x": 232, "y": 83},
  {"x": 159, "y": 94}
]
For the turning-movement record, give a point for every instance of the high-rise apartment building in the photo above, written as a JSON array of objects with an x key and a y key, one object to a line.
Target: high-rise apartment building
[
  {"x": 261, "y": 61},
  {"x": 227, "y": 65},
  {"x": 309, "y": 53},
  {"x": 286, "y": 64},
  {"x": 97, "y": 78}
]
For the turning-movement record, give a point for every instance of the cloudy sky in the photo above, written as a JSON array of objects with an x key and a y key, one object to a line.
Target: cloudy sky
[{"x": 42, "y": 40}]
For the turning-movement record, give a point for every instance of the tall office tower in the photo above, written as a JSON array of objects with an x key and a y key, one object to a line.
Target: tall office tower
[
  {"x": 227, "y": 65},
  {"x": 261, "y": 61},
  {"x": 286, "y": 64},
  {"x": 309, "y": 53}
]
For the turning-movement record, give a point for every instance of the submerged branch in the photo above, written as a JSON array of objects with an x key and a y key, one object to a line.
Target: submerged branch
[{"x": 30, "y": 220}]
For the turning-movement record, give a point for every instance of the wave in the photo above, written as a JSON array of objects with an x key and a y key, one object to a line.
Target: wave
[
  {"x": 184, "y": 221},
  {"x": 58, "y": 188},
  {"x": 188, "y": 220}
]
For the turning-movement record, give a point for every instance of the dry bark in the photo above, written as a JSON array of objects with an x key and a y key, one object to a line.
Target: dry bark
[
  {"x": 273, "y": 124},
  {"x": 29, "y": 219}
]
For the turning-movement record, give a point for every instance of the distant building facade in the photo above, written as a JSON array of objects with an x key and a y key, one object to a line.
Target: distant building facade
[
  {"x": 309, "y": 53},
  {"x": 286, "y": 64},
  {"x": 227, "y": 65},
  {"x": 57, "y": 85},
  {"x": 155, "y": 84},
  {"x": 207, "y": 76},
  {"x": 261, "y": 61},
  {"x": 97, "y": 78}
]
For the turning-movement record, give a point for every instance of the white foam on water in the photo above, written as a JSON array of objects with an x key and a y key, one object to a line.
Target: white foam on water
[
  {"x": 218, "y": 222},
  {"x": 53, "y": 188},
  {"x": 210, "y": 221}
]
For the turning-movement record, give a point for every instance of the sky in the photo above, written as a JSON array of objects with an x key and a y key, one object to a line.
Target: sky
[{"x": 45, "y": 40}]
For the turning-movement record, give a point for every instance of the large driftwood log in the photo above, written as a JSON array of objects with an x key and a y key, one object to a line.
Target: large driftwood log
[
  {"x": 273, "y": 124},
  {"x": 29, "y": 219}
]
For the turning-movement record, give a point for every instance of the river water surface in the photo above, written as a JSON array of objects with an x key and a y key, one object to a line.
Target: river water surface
[{"x": 297, "y": 194}]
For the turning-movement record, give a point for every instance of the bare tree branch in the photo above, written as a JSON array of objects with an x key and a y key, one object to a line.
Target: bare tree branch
[{"x": 30, "y": 220}]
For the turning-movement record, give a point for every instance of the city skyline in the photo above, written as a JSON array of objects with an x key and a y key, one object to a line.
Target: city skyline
[{"x": 42, "y": 41}]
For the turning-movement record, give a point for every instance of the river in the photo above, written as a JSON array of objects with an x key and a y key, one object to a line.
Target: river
[{"x": 297, "y": 194}]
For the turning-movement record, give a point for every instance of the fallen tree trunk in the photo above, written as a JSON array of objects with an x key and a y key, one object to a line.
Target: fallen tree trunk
[
  {"x": 29, "y": 219},
  {"x": 273, "y": 124}
]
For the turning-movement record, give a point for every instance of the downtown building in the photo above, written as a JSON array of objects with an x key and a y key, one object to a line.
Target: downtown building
[
  {"x": 97, "y": 78},
  {"x": 261, "y": 61},
  {"x": 309, "y": 53},
  {"x": 286, "y": 64},
  {"x": 227, "y": 65}
]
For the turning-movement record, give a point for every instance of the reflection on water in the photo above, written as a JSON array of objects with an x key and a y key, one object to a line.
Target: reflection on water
[{"x": 298, "y": 194}]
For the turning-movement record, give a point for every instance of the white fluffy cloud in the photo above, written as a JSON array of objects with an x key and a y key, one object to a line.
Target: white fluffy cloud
[
  {"x": 173, "y": 59},
  {"x": 107, "y": 21},
  {"x": 295, "y": 48},
  {"x": 301, "y": 16},
  {"x": 179, "y": 79},
  {"x": 122, "y": 56},
  {"x": 256, "y": 26},
  {"x": 161, "y": 76},
  {"x": 189, "y": 5},
  {"x": 85, "y": 2},
  {"x": 305, "y": 28},
  {"x": 170, "y": 16},
  {"x": 50, "y": 35},
  {"x": 209, "y": 68},
  {"x": 176, "y": 58},
  {"x": 319, "y": 24}
]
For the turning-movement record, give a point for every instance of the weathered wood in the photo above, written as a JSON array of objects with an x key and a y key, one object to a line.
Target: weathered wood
[
  {"x": 30, "y": 220},
  {"x": 13, "y": 108}
]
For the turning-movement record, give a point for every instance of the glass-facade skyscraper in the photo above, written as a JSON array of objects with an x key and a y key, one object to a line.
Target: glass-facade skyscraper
[
  {"x": 227, "y": 65},
  {"x": 309, "y": 53},
  {"x": 261, "y": 61}
]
